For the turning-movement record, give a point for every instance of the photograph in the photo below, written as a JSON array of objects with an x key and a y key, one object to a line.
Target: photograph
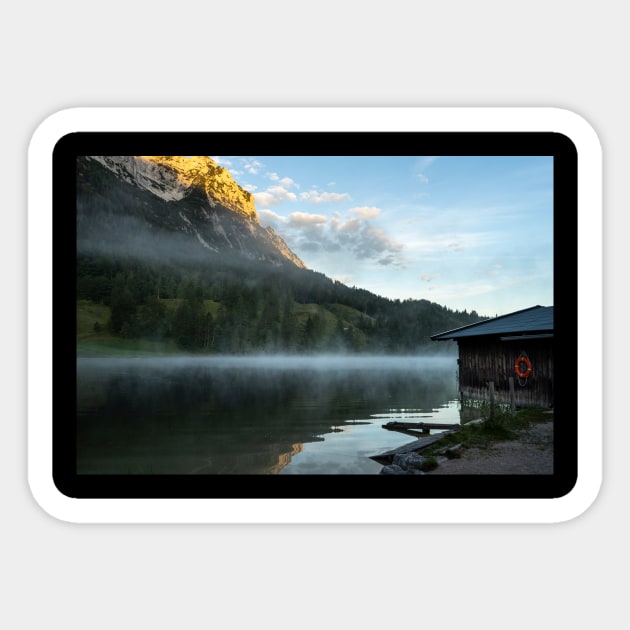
[{"x": 346, "y": 318}]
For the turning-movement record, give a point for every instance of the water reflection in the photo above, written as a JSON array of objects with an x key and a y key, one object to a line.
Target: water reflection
[{"x": 251, "y": 415}]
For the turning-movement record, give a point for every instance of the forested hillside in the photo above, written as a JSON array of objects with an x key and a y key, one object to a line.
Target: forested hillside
[{"x": 241, "y": 307}]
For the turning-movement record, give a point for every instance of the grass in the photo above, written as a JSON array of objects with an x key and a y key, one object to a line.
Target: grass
[
  {"x": 498, "y": 426},
  {"x": 430, "y": 463},
  {"x": 108, "y": 346},
  {"x": 94, "y": 339},
  {"x": 88, "y": 314}
]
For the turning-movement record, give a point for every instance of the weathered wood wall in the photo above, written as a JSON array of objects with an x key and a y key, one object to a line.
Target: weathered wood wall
[{"x": 482, "y": 360}]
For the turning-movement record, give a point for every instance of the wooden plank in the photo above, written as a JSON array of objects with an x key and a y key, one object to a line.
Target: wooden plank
[
  {"x": 420, "y": 426},
  {"x": 412, "y": 447}
]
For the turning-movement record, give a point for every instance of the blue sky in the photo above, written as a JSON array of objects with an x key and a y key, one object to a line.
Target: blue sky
[{"x": 467, "y": 232}]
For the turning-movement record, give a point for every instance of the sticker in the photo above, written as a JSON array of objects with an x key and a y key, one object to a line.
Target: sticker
[{"x": 314, "y": 315}]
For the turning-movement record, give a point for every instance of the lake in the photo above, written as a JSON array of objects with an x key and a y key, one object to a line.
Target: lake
[{"x": 254, "y": 414}]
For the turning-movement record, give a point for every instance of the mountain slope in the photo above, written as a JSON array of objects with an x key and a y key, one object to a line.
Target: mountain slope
[{"x": 151, "y": 206}]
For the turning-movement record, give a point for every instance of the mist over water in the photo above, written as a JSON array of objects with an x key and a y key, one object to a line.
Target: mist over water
[
  {"x": 282, "y": 362},
  {"x": 259, "y": 414}
]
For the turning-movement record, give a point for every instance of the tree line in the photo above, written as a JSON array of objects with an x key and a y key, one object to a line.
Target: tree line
[{"x": 240, "y": 308}]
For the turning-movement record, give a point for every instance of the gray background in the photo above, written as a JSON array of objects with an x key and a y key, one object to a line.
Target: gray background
[{"x": 67, "y": 54}]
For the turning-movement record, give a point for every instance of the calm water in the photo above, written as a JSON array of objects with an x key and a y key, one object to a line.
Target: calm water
[{"x": 254, "y": 415}]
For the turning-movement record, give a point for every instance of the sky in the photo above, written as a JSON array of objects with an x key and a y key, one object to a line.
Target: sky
[{"x": 467, "y": 232}]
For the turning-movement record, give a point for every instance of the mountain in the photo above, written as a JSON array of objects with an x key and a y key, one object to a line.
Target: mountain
[
  {"x": 151, "y": 206},
  {"x": 170, "y": 251}
]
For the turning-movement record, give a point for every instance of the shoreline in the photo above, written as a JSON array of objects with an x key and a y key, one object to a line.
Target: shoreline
[{"x": 529, "y": 453}]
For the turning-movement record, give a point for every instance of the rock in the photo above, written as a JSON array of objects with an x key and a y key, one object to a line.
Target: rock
[
  {"x": 410, "y": 461},
  {"x": 405, "y": 464}
]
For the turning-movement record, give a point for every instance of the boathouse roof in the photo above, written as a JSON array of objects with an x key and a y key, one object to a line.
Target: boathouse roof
[{"x": 536, "y": 321}]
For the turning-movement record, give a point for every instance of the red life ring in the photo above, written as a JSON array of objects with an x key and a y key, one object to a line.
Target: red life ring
[{"x": 520, "y": 372}]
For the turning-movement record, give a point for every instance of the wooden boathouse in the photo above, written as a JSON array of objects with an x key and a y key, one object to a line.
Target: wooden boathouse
[{"x": 509, "y": 358}]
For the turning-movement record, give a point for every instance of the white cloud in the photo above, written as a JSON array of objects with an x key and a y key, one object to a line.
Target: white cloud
[
  {"x": 346, "y": 227},
  {"x": 366, "y": 241},
  {"x": 425, "y": 161},
  {"x": 354, "y": 235},
  {"x": 366, "y": 212},
  {"x": 273, "y": 196},
  {"x": 265, "y": 199},
  {"x": 270, "y": 218},
  {"x": 421, "y": 165},
  {"x": 313, "y": 196},
  {"x": 251, "y": 166},
  {"x": 302, "y": 219},
  {"x": 287, "y": 182}
]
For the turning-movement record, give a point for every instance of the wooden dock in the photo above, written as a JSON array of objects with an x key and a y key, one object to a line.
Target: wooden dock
[
  {"x": 413, "y": 447},
  {"x": 421, "y": 427}
]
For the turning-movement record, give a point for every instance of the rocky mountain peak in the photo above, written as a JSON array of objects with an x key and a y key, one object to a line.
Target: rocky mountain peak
[
  {"x": 172, "y": 177},
  {"x": 195, "y": 196}
]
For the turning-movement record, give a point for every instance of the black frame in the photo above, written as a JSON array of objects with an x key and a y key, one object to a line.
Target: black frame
[{"x": 70, "y": 484}]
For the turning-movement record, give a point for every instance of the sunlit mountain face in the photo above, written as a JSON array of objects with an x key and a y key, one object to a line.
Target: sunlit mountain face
[{"x": 173, "y": 206}]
